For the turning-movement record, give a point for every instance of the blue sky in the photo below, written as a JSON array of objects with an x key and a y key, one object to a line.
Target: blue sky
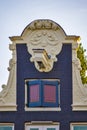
[{"x": 15, "y": 15}]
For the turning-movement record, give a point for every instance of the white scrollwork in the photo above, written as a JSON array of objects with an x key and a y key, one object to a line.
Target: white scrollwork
[
  {"x": 46, "y": 35},
  {"x": 46, "y": 39},
  {"x": 12, "y": 47},
  {"x": 79, "y": 90},
  {"x": 8, "y": 93},
  {"x": 11, "y": 63}
]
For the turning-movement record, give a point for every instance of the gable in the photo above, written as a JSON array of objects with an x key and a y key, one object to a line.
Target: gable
[{"x": 44, "y": 44}]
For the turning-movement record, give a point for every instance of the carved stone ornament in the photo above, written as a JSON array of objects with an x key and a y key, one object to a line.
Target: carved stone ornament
[
  {"x": 8, "y": 93},
  {"x": 45, "y": 36},
  {"x": 79, "y": 90}
]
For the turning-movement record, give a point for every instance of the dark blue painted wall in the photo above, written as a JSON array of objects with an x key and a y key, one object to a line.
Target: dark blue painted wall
[{"x": 63, "y": 71}]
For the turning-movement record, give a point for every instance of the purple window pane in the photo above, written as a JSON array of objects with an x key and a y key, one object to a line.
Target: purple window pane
[
  {"x": 49, "y": 93},
  {"x": 34, "y": 93}
]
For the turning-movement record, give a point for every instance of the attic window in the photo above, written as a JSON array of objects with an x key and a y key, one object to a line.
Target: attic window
[{"x": 42, "y": 93}]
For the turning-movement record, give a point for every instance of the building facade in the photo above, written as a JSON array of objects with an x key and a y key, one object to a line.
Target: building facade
[{"x": 44, "y": 89}]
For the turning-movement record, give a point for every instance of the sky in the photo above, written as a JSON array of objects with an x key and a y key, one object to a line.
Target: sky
[{"x": 15, "y": 15}]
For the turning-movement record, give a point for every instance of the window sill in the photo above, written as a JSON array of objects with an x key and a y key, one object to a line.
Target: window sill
[
  {"x": 43, "y": 109},
  {"x": 8, "y": 107},
  {"x": 79, "y": 107}
]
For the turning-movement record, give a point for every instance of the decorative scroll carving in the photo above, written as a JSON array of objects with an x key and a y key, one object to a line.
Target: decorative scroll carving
[
  {"x": 44, "y": 37},
  {"x": 49, "y": 40},
  {"x": 12, "y": 47},
  {"x": 8, "y": 93},
  {"x": 79, "y": 90},
  {"x": 12, "y": 61},
  {"x": 11, "y": 64}
]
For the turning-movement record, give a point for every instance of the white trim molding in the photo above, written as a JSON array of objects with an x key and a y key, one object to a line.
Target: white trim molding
[
  {"x": 42, "y": 125},
  {"x": 8, "y": 93}
]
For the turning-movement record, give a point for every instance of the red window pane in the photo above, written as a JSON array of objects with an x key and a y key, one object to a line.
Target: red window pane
[
  {"x": 34, "y": 93},
  {"x": 49, "y": 93}
]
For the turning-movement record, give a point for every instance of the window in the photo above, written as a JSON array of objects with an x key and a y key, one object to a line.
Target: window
[
  {"x": 79, "y": 126},
  {"x": 42, "y": 93},
  {"x": 42, "y": 126},
  {"x": 6, "y": 127}
]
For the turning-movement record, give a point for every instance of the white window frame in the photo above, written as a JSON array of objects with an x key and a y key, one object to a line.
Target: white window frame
[
  {"x": 7, "y": 125},
  {"x": 42, "y": 125},
  {"x": 42, "y": 108},
  {"x": 77, "y": 124}
]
